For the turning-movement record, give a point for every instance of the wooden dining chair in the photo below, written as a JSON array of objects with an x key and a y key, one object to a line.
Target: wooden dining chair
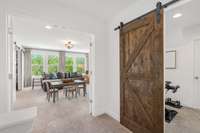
[
  {"x": 79, "y": 87},
  {"x": 51, "y": 91},
  {"x": 70, "y": 89}
]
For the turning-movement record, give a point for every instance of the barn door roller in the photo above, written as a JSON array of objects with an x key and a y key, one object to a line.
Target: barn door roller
[
  {"x": 159, "y": 6},
  {"x": 158, "y": 9}
]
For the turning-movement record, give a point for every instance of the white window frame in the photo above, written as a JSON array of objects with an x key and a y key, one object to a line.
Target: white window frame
[
  {"x": 45, "y": 55},
  {"x": 51, "y": 64},
  {"x": 35, "y": 64},
  {"x": 74, "y": 56}
]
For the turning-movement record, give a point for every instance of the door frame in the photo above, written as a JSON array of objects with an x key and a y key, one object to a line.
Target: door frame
[
  {"x": 196, "y": 84},
  {"x": 92, "y": 107}
]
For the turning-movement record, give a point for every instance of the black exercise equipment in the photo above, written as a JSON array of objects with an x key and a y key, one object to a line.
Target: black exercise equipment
[
  {"x": 169, "y": 87},
  {"x": 169, "y": 113},
  {"x": 175, "y": 104}
]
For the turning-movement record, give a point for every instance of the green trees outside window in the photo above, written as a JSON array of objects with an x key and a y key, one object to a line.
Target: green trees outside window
[
  {"x": 80, "y": 62},
  {"x": 69, "y": 62},
  {"x": 75, "y": 64},
  {"x": 49, "y": 63},
  {"x": 37, "y": 64},
  {"x": 53, "y": 63}
]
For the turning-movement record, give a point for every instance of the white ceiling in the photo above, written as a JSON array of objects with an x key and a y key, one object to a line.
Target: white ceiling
[
  {"x": 33, "y": 34},
  {"x": 190, "y": 12},
  {"x": 184, "y": 28},
  {"x": 100, "y": 8}
]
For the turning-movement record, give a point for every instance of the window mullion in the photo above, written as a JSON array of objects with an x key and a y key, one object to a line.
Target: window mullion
[
  {"x": 46, "y": 63},
  {"x": 75, "y": 64}
]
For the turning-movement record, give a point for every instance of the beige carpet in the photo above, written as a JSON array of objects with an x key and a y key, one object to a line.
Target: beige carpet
[
  {"x": 186, "y": 121},
  {"x": 72, "y": 116},
  {"x": 65, "y": 116}
]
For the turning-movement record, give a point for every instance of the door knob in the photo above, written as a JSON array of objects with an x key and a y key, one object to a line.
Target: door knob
[{"x": 196, "y": 77}]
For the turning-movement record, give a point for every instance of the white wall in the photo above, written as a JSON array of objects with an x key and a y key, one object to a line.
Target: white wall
[
  {"x": 52, "y": 13},
  {"x": 183, "y": 75},
  {"x": 134, "y": 11}
]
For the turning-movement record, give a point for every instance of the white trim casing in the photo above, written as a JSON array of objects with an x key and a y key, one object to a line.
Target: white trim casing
[
  {"x": 89, "y": 25},
  {"x": 4, "y": 80}
]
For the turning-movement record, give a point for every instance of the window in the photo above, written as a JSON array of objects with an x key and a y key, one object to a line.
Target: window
[
  {"x": 37, "y": 64},
  {"x": 75, "y": 63},
  {"x": 53, "y": 63},
  {"x": 69, "y": 62},
  {"x": 80, "y": 64},
  {"x": 48, "y": 62}
]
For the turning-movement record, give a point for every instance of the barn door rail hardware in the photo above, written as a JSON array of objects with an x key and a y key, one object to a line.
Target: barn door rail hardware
[{"x": 159, "y": 6}]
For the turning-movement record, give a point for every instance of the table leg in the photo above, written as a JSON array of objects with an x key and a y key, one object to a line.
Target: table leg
[
  {"x": 84, "y": 89},
  {"x": 33, "y": 83},
  {"x": 54, "y": 95},
  {"x": 76, "y": 91},
  {"x": 66, "y": 92}
]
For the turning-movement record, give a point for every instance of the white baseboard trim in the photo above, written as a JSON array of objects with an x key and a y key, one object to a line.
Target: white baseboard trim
[
  {"x": 96, "y": 113},
  {"x": 188, "y": 105},
  {"x": 114, "y": 116}
]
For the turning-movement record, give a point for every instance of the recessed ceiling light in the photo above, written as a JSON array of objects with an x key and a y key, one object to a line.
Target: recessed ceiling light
[
  {"x": 177, "y": 15},
  {"x": 48, "y": 27}
]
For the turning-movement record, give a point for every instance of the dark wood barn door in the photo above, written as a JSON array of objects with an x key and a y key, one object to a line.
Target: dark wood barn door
[{"x": 141, "y": 83}]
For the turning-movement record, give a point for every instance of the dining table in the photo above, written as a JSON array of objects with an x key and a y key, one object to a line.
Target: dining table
[{"x": 61, "y": 84}]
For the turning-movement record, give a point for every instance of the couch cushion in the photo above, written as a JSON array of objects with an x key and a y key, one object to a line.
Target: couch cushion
[
  {"x": 60, "y": 75},
  {"x": 53, "y": 76},
  {"x": 67, "y": 75}
]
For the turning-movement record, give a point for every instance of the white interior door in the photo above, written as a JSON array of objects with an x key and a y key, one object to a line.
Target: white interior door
[{"x": 197, "y": 73}]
